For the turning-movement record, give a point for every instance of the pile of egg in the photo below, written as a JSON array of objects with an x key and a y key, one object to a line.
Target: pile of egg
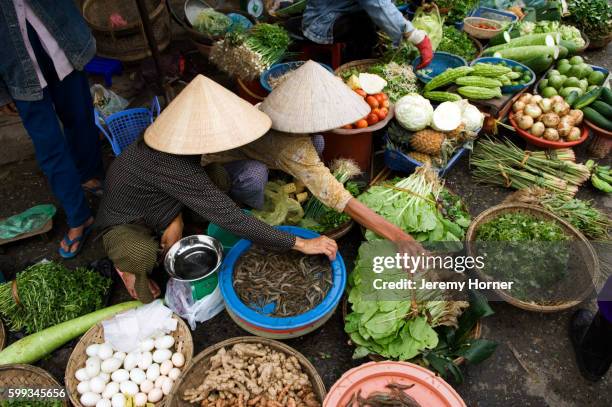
[{"x": 146, "y": 375}]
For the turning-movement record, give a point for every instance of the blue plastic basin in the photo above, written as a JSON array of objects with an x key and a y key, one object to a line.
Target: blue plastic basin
[
  {"x": 440, "y": 63},
  {"x": 508, "y": 88}
]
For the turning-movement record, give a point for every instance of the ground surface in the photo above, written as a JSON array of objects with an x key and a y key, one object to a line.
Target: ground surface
[{"x": 532, "y": 366}]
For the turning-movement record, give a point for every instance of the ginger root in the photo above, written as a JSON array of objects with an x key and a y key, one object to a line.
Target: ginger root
[{"x": 253, "y": 375}]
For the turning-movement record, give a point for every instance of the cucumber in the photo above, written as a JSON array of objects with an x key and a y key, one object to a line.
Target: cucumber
[
  {"x": 597, "y": 119},
  {"x": 587, "y": 98},
  {"x": 571, "y": 98},
  {"x": 602, "y": 108},
  {"x": 606, "y": 96}
]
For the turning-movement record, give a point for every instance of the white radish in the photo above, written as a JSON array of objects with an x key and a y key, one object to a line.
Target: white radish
[
  {"x": 90, "y": 399},
  {"x": 178, "y": 359}
]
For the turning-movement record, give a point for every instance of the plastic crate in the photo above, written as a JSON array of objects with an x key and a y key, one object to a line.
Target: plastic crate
[{"x": 400, "y": 162}]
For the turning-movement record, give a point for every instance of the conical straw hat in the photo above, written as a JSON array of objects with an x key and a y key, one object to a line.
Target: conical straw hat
[
  {"x": 312, "y": 100},
  {"x": 206, "y": 118}
]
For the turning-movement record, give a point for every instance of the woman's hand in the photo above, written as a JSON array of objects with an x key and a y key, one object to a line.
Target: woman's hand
[
  {"x": 318, "y": 245},
  {"x": 172, "y": 234}
]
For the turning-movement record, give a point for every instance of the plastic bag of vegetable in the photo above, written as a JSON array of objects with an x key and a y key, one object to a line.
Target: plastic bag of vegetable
[{"x": 429, "y": 21}]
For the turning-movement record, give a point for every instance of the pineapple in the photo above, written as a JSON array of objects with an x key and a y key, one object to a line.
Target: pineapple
[
  {"x": 428, "y": 142},
  {"x": 456, "y": 134},
  {"x": 420, "y": 157}
]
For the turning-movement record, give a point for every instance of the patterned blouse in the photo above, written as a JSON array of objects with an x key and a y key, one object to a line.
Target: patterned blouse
[{"x": 150, "y": 187}]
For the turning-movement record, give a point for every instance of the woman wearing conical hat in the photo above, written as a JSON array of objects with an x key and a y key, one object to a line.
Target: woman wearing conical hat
[
  {"x": 149, "y": 184},
  {"x": 312, "y": 100}
]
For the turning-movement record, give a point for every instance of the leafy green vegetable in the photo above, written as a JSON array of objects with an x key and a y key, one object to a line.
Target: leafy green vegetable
[
  {"x": 400, "y": 78},
  {"x": 48, "y": 294},
  {"x": 456, "y": 10},
  {"x": 594, "y": 17},
  {"x": 430, "y": 22},
  {"x": 212, "y": 23},
  {"x": 567, "y": 32},
  {"x": 458, "y": 43}
]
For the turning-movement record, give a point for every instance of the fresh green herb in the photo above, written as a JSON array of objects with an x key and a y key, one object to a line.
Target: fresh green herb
[
  {"x": 400, "y": 78},
  {"x": 594, "y": 17},
  {"x": 456, "y": 10},
  {"x": 458, "y": 43},
  {"x": 212, "y": 23},
  {"x": 528, "y": 251},
  {"x": 47, "y": 294}
]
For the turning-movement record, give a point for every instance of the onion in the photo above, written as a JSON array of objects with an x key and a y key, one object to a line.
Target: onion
[
  {"x": 551, "y": 135},
  {"x": 550, "y": 120},
  {"x": 537, "y": 129},
  {"x": 565, "y": 125},
  {"x": 545, "y": 104},
  {"x": 536, "y": 99},
  {"x": 526, "y": 98},
  {"x": 557, "y": 98},
  {"x": 561, "y": 108},
  {"x": 575, "y": 134},
  {"x": 525, "y": 122},
  {"x": 519, "y": 114},
  {"x": 577, "y": 115},
  {"x": 518, "y": 106},
  {"x": 533, "y": 110}
]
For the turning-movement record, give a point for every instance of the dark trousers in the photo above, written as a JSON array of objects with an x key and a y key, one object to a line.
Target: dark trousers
[
  {"x": 596, "y": 345},
  {"x": 358, "y": 31},
  {"x": 68, "y": 153}
]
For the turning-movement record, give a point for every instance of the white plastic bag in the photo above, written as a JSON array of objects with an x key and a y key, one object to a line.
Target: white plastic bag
[
  {"x": 106, "y": 101},
  {"x": 180, "y": 300},
  {"x": 125, "y": 331}
]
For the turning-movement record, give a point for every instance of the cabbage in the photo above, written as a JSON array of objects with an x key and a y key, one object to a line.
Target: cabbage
[
  {"x": 431, "y": 23},
  {"x": 471, "y": 117},
  {"x": 446, "y": 117},
  {"x": 413, "y": 112}
]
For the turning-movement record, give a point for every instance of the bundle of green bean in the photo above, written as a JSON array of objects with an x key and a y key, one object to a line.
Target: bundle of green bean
[{"x": 47, "y": 294}]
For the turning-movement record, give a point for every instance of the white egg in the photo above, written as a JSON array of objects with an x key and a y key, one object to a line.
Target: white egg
[
  {"x": 89, "y": 399},
  {"x": 119, "y": 355},
  {"x": 159, "y": 381},
  {"x": 92, "y": 350},
  {"x": 110, "y": 365},
  {"x": 129, "y": 388},
  {"x": 103, "y": 403},
  {"x": 147, "y": 386},
  {"x": 110, "y": 390},
  {"x": 97, "y": 385},
  {"x": 81, "y": 375},
  {"x": 178, "y": 359},
  {"x": 118, "y": 400},
  {"x": 146, "y": 358},
  {"x": 165, "y": 367},
  {"x": 164, "y": 342},
  {"x": 167, "y": 386},
  {"x": 83, "y": 387},
  {"x": 92, "y": 366},
  {"x": 175, "y": 373},
  {"x": 147, "y": 345},
  {"x": 140, "y": 400},
  {"x": 131, "y": 360},
  {"x": 161, "y": 354},
  {"x": 155, "y": 395},
  {"x": 138, "y": 376},
  {"x": 120, "y": 375},
  {"x": 105, "y": 351},
  {"x": 153, "y": 372},
  {"x": 104, "y": 376}
]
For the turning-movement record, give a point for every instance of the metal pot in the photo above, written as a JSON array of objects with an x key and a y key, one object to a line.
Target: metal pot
[{"x": 188, "y": 247}]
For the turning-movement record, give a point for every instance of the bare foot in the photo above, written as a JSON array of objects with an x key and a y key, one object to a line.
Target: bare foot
[
  {"x": 129, "y": 280},
  {"x": 74, "y": 233},
  {"x": 93, "y": 183}
]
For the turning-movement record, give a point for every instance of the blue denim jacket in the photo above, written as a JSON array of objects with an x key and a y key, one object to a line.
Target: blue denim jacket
[
  {"x": 320, "y": 16},
  {"x": 18, "y": 78}
]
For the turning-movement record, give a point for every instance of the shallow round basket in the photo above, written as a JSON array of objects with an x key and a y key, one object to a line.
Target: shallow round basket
[
  {"x": 375, "y": 127},
  {"x": 542, "y": 142},
  {"x": 18, "y": 376},
  {"x": 585, "y": 251},
  {"x": 194, "y": 372},
  {"x": 475, "y": 334},
  {"x": 95, "y": 334},
  {"x": 601, "y": 141},
  {"x": 469, "y": 26},
  {"x": 279, "y": 327}
]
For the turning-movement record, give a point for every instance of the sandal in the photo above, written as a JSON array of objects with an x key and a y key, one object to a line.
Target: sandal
[
  {"x": 96, "y": 191},
  {"x": 79, "y": 239}
]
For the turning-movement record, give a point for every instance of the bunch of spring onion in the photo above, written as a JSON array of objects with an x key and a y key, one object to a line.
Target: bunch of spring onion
[
  {"x": 592, "y": 222},
  {"x": 246, "y": 55},
  {"x": 343, "y": 170},
  {"x": 503, "y": 163}
]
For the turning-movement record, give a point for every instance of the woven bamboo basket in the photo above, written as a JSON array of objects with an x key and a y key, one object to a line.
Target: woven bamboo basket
[
  {"x": 127, "y": 43},
  {"x": 475, "y": 334},
  {"x": 17, "y": 376},
  {"x": 585, "y": 251},
  {"x": 95, "y": 334},
  {"x": 2, "y": 336},
  {"x": 360, "y": 64},
  {"x": 194, "y": 372}
]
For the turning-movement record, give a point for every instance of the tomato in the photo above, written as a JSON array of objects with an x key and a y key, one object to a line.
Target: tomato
[
  {"x": 380, "y": 97},
  {"x": 385, "y": 104},
  {"x": 361, "y": 124},
  {"x": 371, "y": 100},
  {"x": 372, "y": 119},
  {"x": 348, "y": 127},
  {"x": 385, "y": 96},
  {"x": 361, "y": 92},
  {"x": 382, "y": 113}
]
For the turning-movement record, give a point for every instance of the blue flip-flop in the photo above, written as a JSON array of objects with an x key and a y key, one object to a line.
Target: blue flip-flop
[{"x": 79, "y": 239}]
